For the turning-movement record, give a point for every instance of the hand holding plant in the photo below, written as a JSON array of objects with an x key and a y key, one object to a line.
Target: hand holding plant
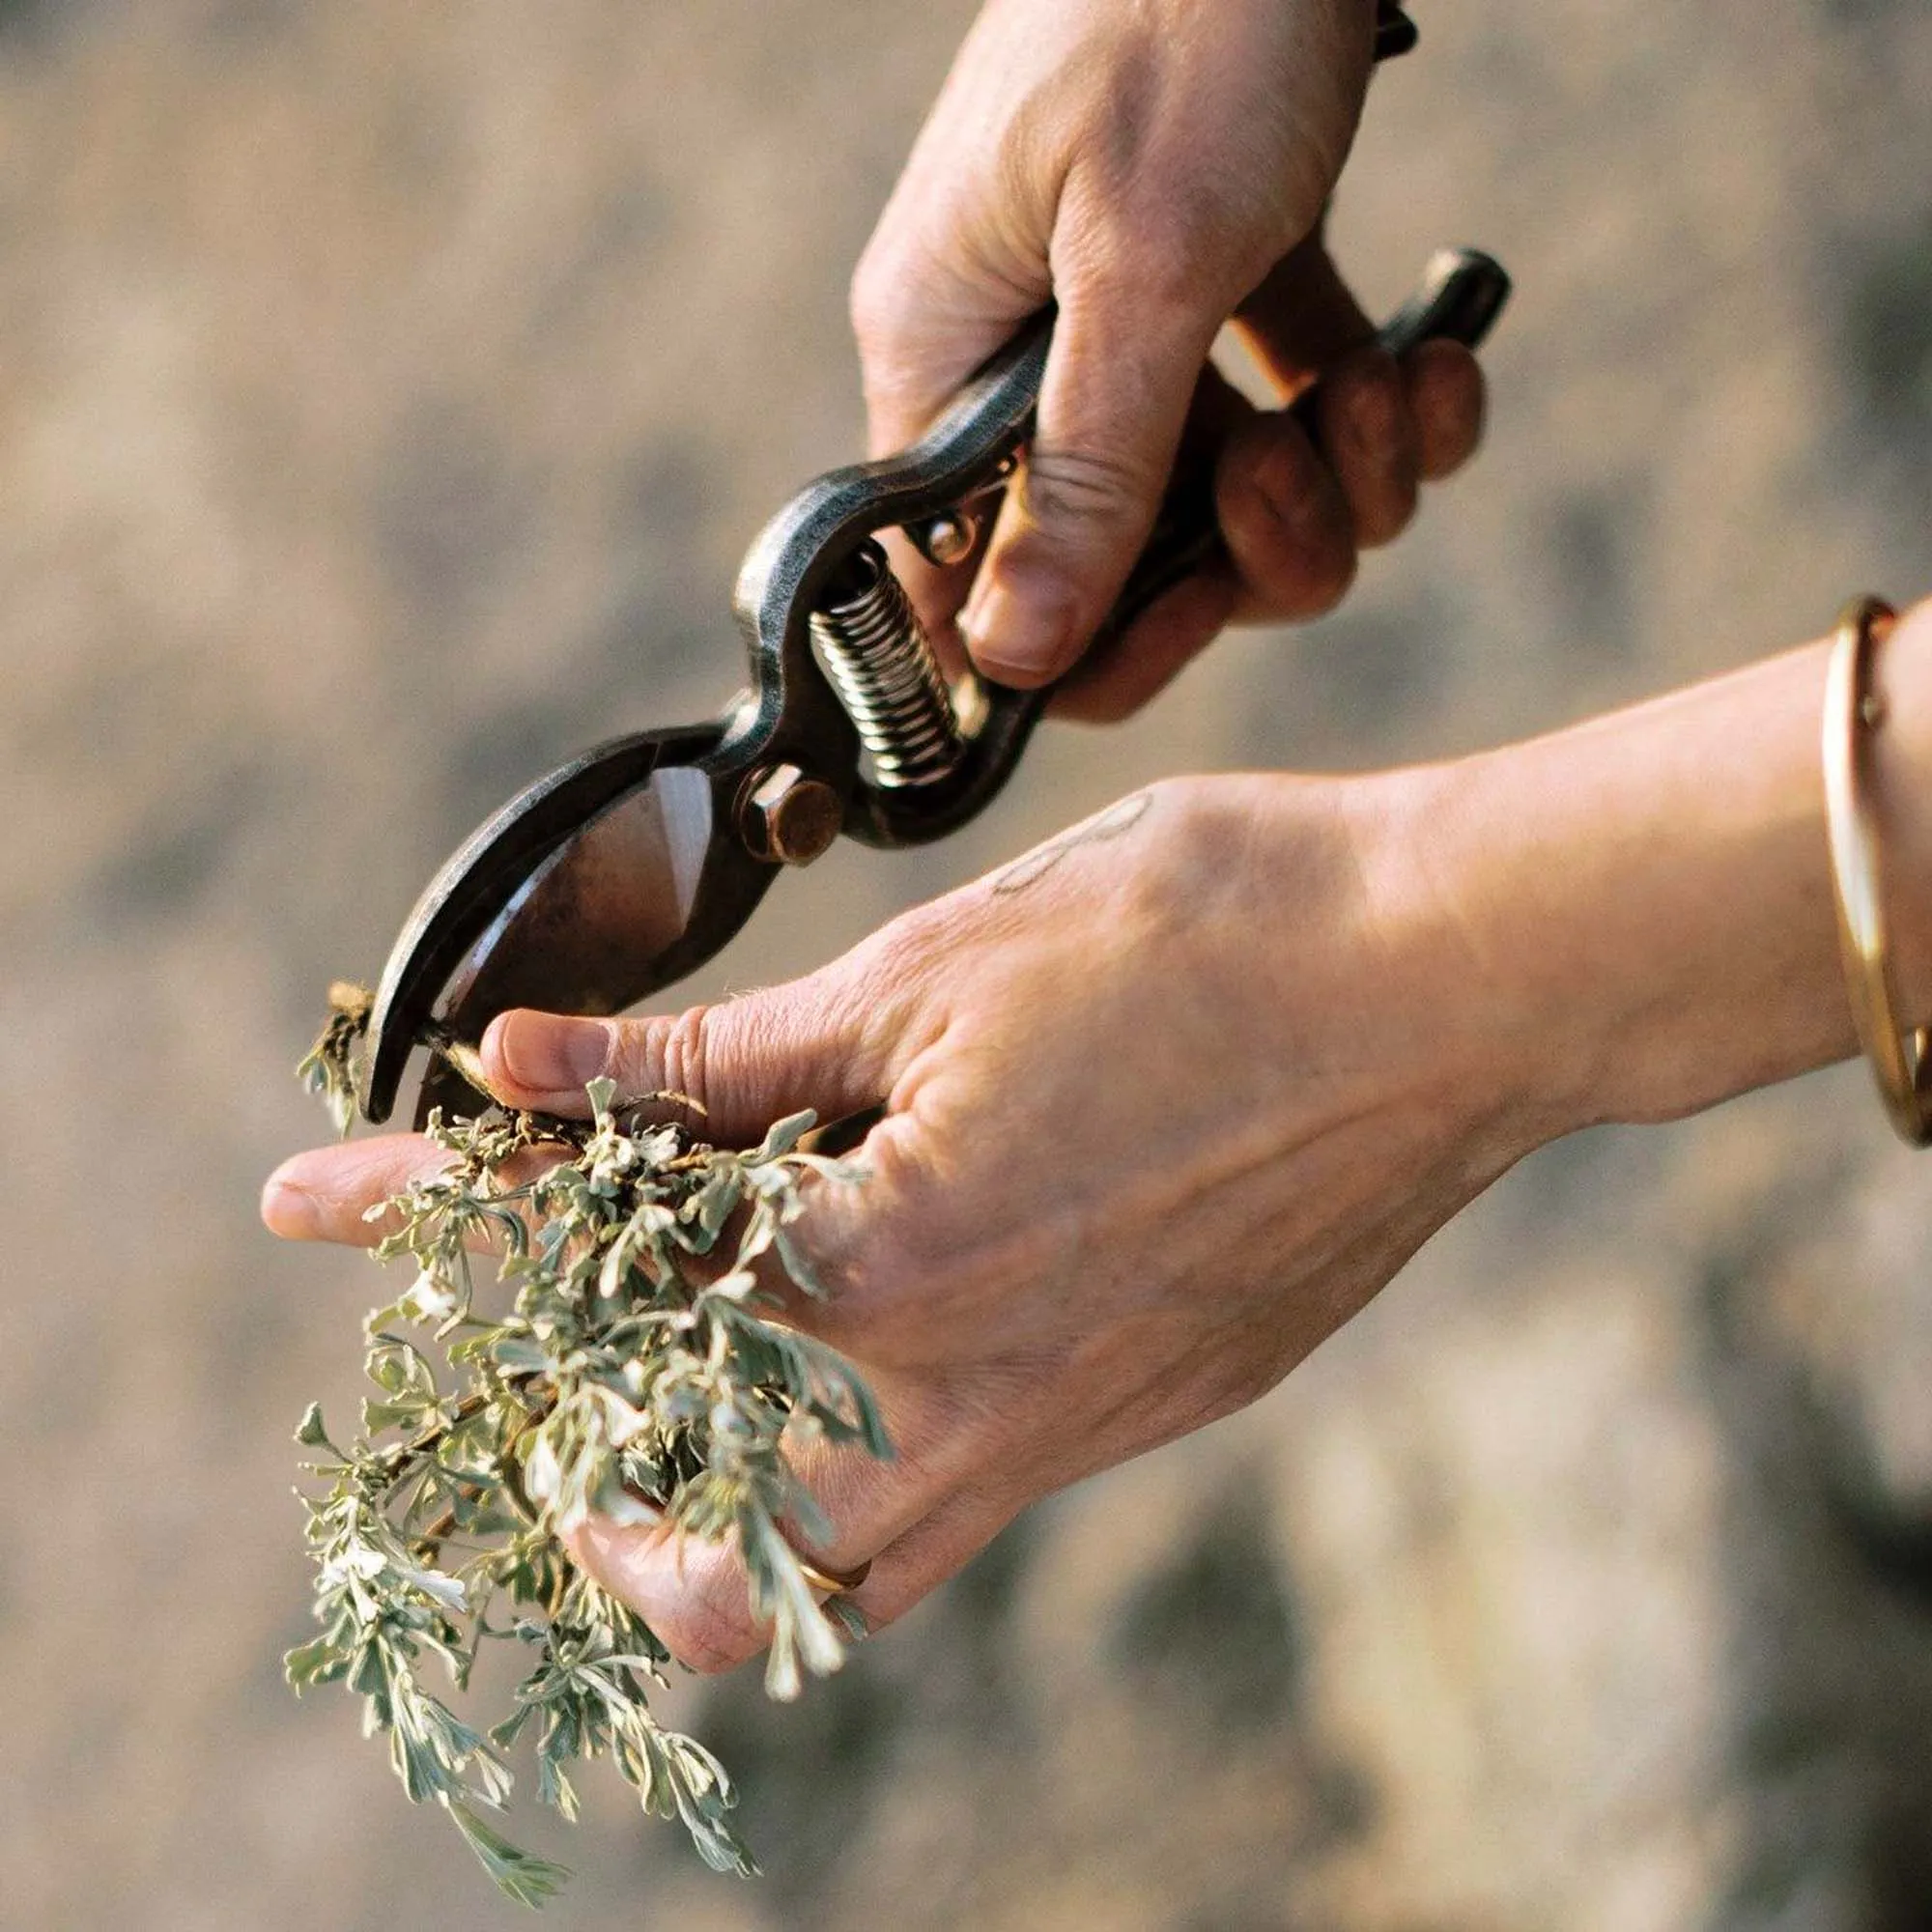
[{"x": 633, "y": 1374}]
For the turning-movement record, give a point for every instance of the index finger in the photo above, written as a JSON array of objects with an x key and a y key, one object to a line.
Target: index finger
[{"x": 325, "y": 1193}]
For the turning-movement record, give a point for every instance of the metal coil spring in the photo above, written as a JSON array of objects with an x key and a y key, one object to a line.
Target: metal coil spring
[{"x": 875, "y": 650}]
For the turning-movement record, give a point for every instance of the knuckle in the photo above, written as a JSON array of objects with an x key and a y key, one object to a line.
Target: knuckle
[
  {"x": 681, "y": 1053},
  {"x": 1181, "y": 265},
  {"x": 1091, "y": 487},
  {"x": 706, "y": 1637},
  {"x": 1302, "y": 569},
  {"x": 1383, "y": 512},
  {"x": 1381, "y": 416},
  {"x": 1447, "y": 395},
  {"x": 1386, "y": 521},
  {"x": 871, "y": 1275},
  {"x": 903, "y": 322},
  {"x": 707, "y": 1625},
  {"x": 910, "y": 1252},
  {"x": 1157, "y": 274},
  {"x": 897, "y": 275},
  {"x": 907, "y": 310},
  {"x": 693, "y": 1593},
  {"x": 857, "y": 1254},
  {"x": 886, "y": 1291},
  {"x": 1155, "y": 220},
  {"x": 1438, "y": 363},
  {"x": 875, "y": 298},
  {"x": 1386, "y": 509}
]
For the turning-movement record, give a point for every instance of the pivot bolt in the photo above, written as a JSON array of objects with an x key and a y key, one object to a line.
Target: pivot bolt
[
  {"x": 787, "y": 816},
  {"x": 947, "y": 538}
]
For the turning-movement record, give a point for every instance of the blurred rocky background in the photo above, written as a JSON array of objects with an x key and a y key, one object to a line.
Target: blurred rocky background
[{"x": 386, "y": 394}]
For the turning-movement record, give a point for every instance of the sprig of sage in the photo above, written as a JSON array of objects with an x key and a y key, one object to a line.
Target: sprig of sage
[{"x": 623, "y": 1362}]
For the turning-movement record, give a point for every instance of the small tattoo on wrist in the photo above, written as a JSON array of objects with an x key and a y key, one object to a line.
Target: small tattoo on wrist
[{"x": 1116, "y": 822}]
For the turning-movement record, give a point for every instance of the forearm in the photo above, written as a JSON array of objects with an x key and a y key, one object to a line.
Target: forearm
[{"x": 1650, "y": 896}]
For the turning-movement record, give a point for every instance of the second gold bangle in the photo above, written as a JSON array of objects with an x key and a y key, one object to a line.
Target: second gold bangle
[{"x": 1901, "y": 1063}]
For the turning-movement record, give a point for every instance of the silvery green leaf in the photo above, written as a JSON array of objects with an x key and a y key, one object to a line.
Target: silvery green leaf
[
  {"x": 714, "y": 1204},
  {"x": 518, "y": 1353},
  {"x": 520, "y": 1875},
  {"x": 321, "y": 1661},
  {"x": 378, "y": 1416},
  {"x": 616, "y": 1504},
  {"x": 449, "y": 1591},
  {"x": 848, "y": 1618},
  {"x": 398, "y": 1368},
  {"x": 542, "y": 1474},
  {"x": 792, "y": 1259},
  {"x": 782, "y": 1136},
  {"x": 734, "y": 1287},
  {"x": 430, "y": 1297},
  {"x": 610, "y": 1369},
  {"x": 554, "y": 1785},
  {"x": 784, "y": 1679}
]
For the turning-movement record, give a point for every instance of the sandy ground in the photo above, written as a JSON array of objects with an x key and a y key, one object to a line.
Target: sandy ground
[{"x": 386, "y": 395}]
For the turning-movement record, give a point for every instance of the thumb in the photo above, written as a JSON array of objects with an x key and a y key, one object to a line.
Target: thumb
[
  {"x": 1115, "y": 397},
  {"x": 824, "y": 1043}
]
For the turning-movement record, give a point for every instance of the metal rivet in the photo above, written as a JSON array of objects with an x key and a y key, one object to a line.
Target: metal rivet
[
  {"x": 945, "y": 539},
  {"x": 788, "y": 816}
]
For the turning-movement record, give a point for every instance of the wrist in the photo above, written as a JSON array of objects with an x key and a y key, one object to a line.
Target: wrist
[
  {"x": 1423, "y": 1013},
  {"x": 1426, "y": 843},
  {"x": 1654, "y": 889},
  {"x": 1647, "y": 902}
]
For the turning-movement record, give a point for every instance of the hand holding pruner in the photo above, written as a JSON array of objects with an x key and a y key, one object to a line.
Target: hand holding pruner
[{"x": 625, "y": 870}]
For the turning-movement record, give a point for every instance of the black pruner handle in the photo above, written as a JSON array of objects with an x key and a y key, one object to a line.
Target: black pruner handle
[
  {"x": 1395, "y": 31},
  {"x": 1461, "y": 293}
]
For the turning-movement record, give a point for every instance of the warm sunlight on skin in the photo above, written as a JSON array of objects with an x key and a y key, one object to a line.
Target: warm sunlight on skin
[
  {"x": 1159, "y": 170},
  {"x": 1170, "y": 1099}
]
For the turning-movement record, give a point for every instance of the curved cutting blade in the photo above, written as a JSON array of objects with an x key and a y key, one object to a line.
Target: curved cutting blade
[{"x": 578, "y": 895}]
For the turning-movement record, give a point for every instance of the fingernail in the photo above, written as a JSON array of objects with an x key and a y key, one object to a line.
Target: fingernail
[
  {"x": 1020, "y": 624},
  {"x": 548, "y": 1053},
  {"x": 289, "y": 1209}
]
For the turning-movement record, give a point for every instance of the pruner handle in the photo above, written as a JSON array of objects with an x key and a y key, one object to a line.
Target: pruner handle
[{"x": 1463, "y": 293}]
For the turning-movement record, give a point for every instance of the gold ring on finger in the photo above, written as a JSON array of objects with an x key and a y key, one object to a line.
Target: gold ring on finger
[{"x": 835, "y": 1582}]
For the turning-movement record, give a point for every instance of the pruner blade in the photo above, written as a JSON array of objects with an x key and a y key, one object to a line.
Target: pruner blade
[{"x": 571, "y": 897}]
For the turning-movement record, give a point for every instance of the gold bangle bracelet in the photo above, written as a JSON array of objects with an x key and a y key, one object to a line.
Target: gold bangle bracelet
[{"x": 1853, "y": 714}]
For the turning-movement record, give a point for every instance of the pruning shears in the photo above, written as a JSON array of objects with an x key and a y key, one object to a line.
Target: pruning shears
[{"x": 625, "y": 869}]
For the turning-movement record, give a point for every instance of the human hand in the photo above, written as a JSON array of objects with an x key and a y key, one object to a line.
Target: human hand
[
  {"x": 1167, "y": 1100},
  {"x": 1158, "y": 170},
  {"x": 1171, "y": 1098}
]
